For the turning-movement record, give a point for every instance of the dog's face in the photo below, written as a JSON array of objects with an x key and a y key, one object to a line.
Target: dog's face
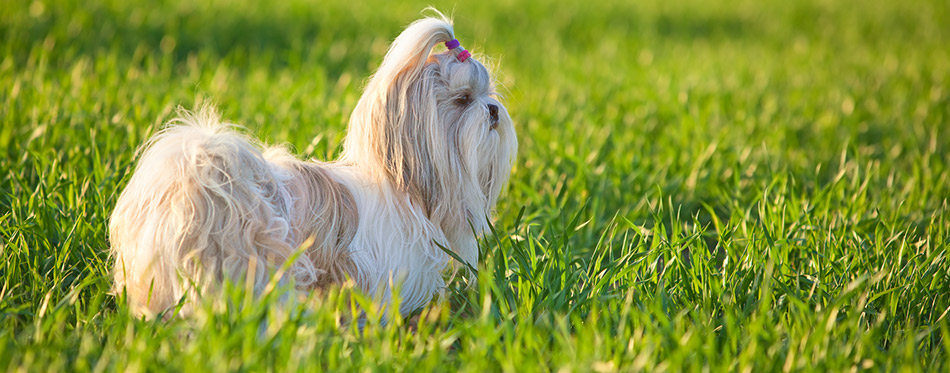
[
  {"x": 479, "y": 137},
  {"x": 434, "y": 127}
]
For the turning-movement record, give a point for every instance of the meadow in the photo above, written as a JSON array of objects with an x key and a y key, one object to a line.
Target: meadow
[{"x": 700, "y": 186}]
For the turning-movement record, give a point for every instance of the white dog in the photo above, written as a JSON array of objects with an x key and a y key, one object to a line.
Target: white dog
[{"x": 428, "y": 150}]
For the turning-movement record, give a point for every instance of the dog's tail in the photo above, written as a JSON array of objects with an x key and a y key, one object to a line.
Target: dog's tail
[{"x": 203, "y": 205}]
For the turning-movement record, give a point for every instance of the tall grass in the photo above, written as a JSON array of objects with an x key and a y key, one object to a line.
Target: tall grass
[{"x": 748, "y": 185}]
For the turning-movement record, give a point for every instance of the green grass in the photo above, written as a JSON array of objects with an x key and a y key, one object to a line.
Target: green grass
[{"x": 742, "y": 186}]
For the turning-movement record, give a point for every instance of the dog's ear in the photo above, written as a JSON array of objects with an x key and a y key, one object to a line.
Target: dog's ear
[{"x": 392, "y": 127}]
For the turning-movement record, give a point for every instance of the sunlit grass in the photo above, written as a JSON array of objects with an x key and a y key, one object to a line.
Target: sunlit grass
[{"x": 733, "y": 186}]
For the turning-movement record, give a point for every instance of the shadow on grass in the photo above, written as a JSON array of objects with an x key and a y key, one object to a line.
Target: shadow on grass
[{"x": 249, "y": 32}]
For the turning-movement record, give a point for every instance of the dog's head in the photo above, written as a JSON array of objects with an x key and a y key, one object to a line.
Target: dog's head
[{"x": 433, "y": 125}]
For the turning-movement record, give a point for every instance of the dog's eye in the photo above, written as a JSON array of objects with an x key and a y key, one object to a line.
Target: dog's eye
[{"x": 463, "y": 100}]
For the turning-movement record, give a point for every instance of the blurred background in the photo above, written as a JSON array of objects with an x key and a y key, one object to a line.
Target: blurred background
[
  {"x": 623, "y": 99},
  {"x": 739, "y": 183}
]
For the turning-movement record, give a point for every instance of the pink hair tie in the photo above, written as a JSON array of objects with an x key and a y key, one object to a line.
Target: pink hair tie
[{"x": 453, "y": 44}]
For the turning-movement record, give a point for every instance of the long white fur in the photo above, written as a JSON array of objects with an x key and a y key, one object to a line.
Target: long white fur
[{"x": 421, "y": 167}]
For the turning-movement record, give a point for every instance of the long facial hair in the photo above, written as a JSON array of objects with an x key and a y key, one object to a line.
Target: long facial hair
[{"x": 424, "y": 124}]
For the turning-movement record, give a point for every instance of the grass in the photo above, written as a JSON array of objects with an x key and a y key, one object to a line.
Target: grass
[{"x": 741, "y": 186}]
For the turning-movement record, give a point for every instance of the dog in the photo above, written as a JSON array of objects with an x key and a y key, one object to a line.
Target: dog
[{"x": 428, "y": 150}]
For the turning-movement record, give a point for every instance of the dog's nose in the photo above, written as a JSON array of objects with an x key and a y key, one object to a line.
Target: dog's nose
[{"x": 493, "y": 115}]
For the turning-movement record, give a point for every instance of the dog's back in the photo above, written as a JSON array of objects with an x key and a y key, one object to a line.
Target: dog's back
[{"x": 205, "y": 205}]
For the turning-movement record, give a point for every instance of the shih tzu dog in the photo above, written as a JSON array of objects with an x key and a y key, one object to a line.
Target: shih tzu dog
[{"x": 428, "y": 150}]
